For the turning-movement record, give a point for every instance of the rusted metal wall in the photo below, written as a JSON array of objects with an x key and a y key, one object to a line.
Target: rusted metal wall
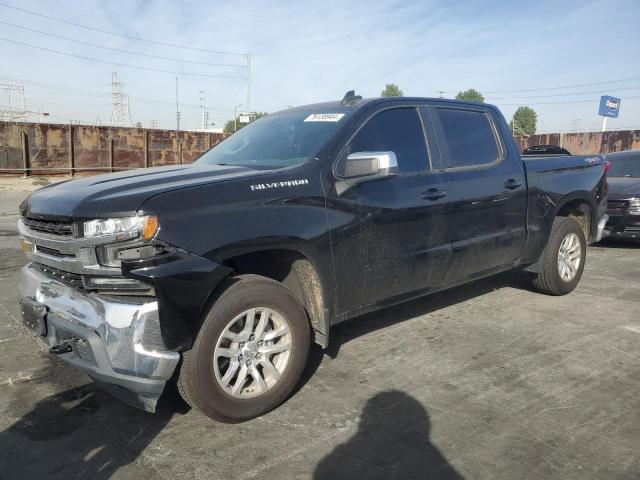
[
  {"x": 587, "y": 142},
  {"x": 50, "y": 149}
]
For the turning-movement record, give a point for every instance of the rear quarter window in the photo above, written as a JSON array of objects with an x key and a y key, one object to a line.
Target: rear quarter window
[{"x": 470, "y": 138}]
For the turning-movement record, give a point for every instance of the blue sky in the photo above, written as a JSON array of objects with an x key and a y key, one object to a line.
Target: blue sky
[{"x": 304, "y": 52}]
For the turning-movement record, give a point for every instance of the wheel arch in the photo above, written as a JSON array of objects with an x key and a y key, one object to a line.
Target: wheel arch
[
  {"x": 295, "y": 267},
  {"x": 580, "y": 206}
]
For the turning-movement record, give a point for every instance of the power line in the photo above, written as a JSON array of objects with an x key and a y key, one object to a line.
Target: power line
[
  {"x": 130, "y": 37},
  {"x": 563, "y": 94},
  {"x": 91, "y": 93},
  {"x": 559, "y": 103},
  {"x": 577, "y": 85},
  {"x": 129, "y": 52},
  {"x": 127, "y": 65}
]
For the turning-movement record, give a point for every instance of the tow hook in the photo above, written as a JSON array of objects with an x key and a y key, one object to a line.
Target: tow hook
[{"x": 60, "y": 348}]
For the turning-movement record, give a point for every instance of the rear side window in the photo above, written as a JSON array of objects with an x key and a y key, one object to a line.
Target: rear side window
[
  {"x": 398, "y": 130},
  {"x": 469, "y": 136}
]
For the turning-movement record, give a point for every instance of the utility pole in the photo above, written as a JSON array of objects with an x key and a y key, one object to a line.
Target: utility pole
[
  {"x": 177, "y": 108},
  {"x": 204, "y": 120},
  {"x": 575, "y": 124},
  {"x": 235, "y": 118},
  {"x": 249, "y": 82},
  {"x": 440, "y": 92}
]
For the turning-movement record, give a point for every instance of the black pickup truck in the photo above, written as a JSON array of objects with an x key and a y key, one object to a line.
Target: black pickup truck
[{"x": 220, "y": 274}]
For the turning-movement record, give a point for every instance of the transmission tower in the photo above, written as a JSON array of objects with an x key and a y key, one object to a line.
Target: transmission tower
[
  {"x": 120, "y": 116},
  {"x": 16, "y": 111}
]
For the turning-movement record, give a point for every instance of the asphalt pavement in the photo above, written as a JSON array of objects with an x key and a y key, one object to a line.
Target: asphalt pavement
[{"x": 486, "y": 381}]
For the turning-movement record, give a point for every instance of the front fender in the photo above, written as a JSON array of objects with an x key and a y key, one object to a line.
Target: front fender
[{"x": 183, "y": 283}]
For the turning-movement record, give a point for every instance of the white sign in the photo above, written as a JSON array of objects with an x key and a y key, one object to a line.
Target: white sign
[{"x": 324, "y": 117}]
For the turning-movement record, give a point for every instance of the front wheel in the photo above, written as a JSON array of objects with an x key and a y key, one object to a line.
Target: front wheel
[
  {"x": 250, "y": 351},
  {"x": 562, "y": 261}
]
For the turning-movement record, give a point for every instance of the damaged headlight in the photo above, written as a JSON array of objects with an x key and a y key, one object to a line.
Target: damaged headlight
[
  {"x": 113, "y": 255},
  {"x": 145, "y": 226}
]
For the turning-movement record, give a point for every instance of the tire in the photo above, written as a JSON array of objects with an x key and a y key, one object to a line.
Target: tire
[
  {"x": 550, "y": 280},
  {"x": 202, "y": 380}
]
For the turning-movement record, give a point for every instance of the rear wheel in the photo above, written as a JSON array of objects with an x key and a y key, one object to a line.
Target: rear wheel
[
  {"x": 563, "y": 259},
  {"x": 249, "y": 353}
]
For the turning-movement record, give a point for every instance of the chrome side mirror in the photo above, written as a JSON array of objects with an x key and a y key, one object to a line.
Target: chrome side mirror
[{"x": 361, "y": 167}]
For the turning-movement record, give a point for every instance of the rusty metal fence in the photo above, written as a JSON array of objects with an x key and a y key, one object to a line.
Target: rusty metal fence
[
  {"x": 57, "y": 149},
  {"x": 585, "y": 142}
]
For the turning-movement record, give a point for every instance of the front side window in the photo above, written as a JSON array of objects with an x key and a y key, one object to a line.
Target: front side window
[
  {"x": 469, "y": 136},
  {"x": 397, "y": 130},
  {"x": 278, "y": 140}
]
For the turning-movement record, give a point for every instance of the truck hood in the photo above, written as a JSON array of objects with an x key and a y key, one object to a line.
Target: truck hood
[
  {"x": 622, "y": 188},
  {"x": 121, "y": 194}
]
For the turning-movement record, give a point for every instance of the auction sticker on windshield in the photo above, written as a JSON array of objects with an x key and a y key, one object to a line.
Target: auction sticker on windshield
[{"x": 324, "y": 117}]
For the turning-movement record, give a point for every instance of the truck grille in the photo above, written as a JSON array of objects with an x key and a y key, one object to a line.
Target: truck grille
[
  {"x": 53, "y": 227},
  {"x": 617, "y": 206},
  {"x": 71, "y": 279}
]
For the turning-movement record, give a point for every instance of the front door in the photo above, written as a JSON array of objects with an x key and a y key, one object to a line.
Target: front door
[{"x": 393, "y": 236}]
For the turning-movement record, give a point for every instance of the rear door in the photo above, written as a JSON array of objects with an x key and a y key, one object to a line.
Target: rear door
[
  {"x": 396, "y": 240},
  {"x": 488, "y": 190}
]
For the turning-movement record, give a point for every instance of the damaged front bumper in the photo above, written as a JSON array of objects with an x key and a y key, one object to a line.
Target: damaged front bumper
[{"x": 115, "y": 340}]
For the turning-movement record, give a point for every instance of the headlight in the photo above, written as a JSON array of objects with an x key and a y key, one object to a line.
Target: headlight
[
  {"x": 634, "y": 206},
  {"x": 123, "y": 228}
]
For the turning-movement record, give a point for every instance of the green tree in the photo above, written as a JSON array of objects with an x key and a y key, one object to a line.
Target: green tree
[
  {"x": 524, "y": 121},
  {"x": 391, "y": 90},
  {"x": 470, "y": 95},
  {"x": 234, "y": 125}
]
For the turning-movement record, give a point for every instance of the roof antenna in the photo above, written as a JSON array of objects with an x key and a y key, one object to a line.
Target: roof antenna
[{"x": 350, "y": 96}]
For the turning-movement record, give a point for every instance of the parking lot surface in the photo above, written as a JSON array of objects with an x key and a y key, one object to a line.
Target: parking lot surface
[{"x": 488, "y": 380}]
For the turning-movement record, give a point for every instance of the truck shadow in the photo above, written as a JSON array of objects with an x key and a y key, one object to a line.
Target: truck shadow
[
  {"x": 356, "y": 327},
  {"x": 343, "y": 333},
  {"x": 392, "y": 441},
  {"x": 80, "y": 432},
  {"x": 620, "y": 244}
]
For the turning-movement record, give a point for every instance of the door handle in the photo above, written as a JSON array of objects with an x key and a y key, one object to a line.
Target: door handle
[
  {"x": 512, "y": 183},
  {"x": 434, "y": 194}
]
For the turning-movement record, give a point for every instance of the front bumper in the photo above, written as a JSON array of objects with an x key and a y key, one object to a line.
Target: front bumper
[
  {"x": 601, "y": 231},
  {"x": 106, "y": 336},
  {"x": 623, "y": 227}
]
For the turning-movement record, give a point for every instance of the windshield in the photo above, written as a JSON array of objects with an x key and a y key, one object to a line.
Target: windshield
[
  {"x": 627, "y": 165},
  {"x": 278, "y": 140}
]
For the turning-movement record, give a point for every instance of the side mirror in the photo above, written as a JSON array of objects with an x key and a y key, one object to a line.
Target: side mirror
[{"x": 362, "y": 167}]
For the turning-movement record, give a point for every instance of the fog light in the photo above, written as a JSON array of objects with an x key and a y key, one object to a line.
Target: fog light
[
  {"x": 115, "y": 283},
  {"x": 27, "y": 247}
]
